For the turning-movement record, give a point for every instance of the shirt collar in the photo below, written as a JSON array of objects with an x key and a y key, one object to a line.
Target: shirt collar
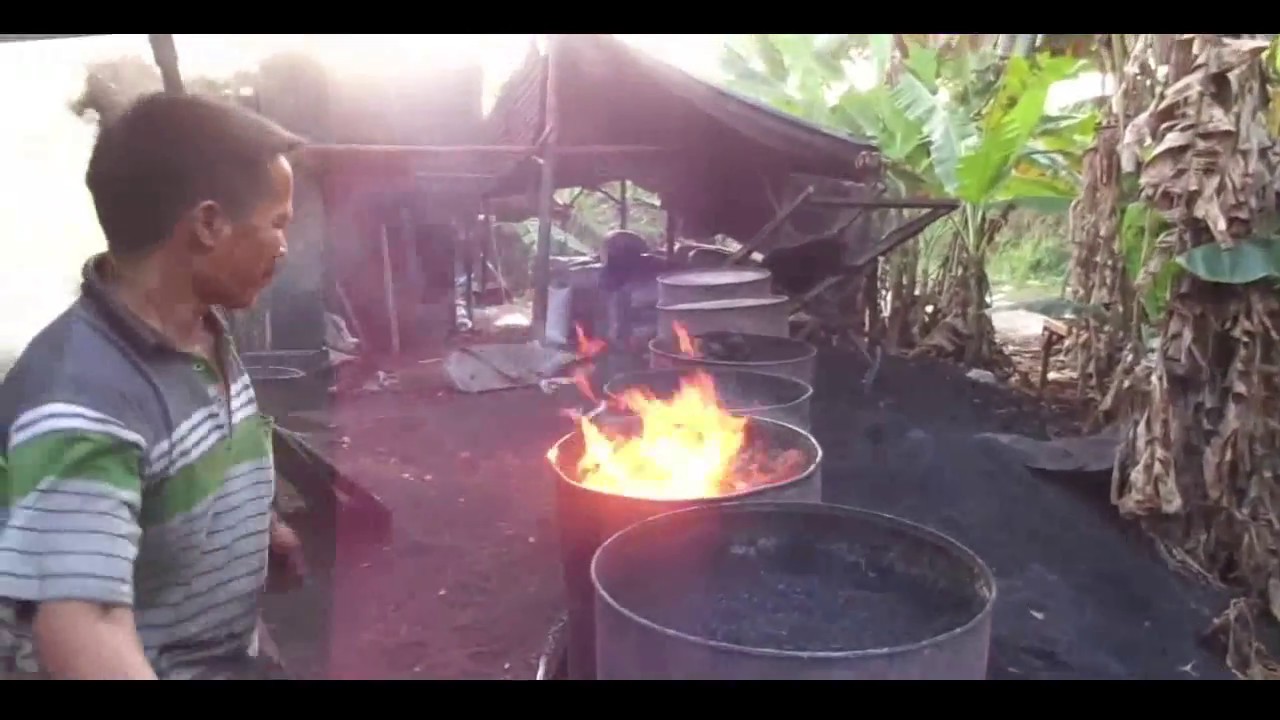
[{"x": 94, "y": 287}]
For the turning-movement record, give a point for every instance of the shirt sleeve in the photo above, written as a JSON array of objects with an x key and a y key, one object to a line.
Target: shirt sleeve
[{"x": 70, "y": 496}]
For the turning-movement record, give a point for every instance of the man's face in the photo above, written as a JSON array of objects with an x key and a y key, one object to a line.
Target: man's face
[{"x": 237, "y": 258}]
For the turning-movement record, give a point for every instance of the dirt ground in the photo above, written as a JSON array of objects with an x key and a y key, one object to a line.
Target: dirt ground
[{"x": 468, "y": 584}]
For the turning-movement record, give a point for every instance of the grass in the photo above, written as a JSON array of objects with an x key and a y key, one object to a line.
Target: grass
[{"x": 1032, "y": 257}]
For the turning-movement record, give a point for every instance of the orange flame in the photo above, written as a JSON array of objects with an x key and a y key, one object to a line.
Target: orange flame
[
  {"x": 588, "y": 348},
  {"x": 686, "y": 448},
  {"x": 688, "y": 345}
]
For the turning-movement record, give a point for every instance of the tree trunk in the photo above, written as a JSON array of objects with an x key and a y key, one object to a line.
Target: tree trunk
[
  {"x": 166, "y": 56},
  {"x": 980, "y": 331},
  {"x": 1199, "y": 462}
]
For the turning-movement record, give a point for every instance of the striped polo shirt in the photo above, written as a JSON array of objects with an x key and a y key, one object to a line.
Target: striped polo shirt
[{"x": 132, "y": 476}]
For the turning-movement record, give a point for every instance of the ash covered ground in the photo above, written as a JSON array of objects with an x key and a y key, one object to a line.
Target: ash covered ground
[{"x": 1081, "y": 593}]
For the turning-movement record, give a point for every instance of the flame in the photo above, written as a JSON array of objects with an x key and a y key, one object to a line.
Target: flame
[
  {"x": 588, "y": 348},
  {"x": 688, "y": 446},
  {"x": 688, "y": 345}
]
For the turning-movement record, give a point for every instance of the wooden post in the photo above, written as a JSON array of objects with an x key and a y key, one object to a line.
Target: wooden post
[
  {"x": 165, "y": 53},
  {"x": 469, "y": 257},
  {"x": 622, "y": 205},
  {"x": 482, "y": 238},
  {"x": 393, "y": 316},
  {"x": 491, "y": 237},
  {"x": 673, "y": 228},
  {"x": 546, "y": 189},
  {"x": 413, "y": 273}
]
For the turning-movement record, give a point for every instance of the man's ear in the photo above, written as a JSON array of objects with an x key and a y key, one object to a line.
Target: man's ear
[{"x": 210, "y": 224}]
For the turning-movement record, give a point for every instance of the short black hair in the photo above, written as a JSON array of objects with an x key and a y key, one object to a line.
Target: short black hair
[{"x": 169, "y": 152}]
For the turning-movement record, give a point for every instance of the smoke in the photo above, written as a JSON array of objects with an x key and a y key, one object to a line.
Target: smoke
[{"x": 110, "y": 86}]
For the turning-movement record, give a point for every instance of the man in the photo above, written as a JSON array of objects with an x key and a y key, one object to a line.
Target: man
[
  {"x": 137, "y": 483},
  {"x": 629, "y": 281}
]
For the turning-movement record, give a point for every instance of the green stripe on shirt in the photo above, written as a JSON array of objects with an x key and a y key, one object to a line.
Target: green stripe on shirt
[
  {"x": 201, "y": 480},
  {"x": 71, "y": 455}
]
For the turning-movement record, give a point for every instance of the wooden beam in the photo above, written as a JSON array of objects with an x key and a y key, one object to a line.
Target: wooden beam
[
  {"x": 411, "y": 151},
  {"x": 546, "y": 191},
  {"x": 580, "y": 150},
  {"x": 917, "y": 204},
  {"x": 751, "y": 245},
  {"x": 899, "y": 235},
  {"x": 389, "y": 291},
  {"x": 623, "y": 209},
  {"x": 512, "y": 151}
]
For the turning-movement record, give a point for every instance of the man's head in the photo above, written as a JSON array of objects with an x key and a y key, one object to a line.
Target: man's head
[
  {"x": 623, "y": 258},
  {"x": 206, "y": 182}
]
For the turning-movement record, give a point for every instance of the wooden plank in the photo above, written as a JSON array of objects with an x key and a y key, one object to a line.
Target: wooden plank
[
  {"x": 763, "y": 234},
  {"x": 1057, "y": 327}
]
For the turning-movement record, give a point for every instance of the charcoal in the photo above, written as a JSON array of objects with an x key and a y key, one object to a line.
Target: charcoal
[
  {"x": 826, "y": 608},
  {"x": 727, "y": 347}
]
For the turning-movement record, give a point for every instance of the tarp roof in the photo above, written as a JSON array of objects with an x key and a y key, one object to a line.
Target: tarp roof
[{"x": 723, "y": 156}]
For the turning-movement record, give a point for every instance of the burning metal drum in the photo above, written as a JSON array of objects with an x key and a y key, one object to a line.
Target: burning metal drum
[
  {"x": 759, "y": 315},
  {"x": 738, "y": 351},
  {"x": 587, "y": 516},
  {"x": 789, "y": 591},
  {"x": 690, "y": 286},
  {"x": 741, "y": 392}
]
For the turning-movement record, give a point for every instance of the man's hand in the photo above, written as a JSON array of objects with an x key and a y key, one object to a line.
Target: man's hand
[
  {"x": 286, "y": 565},
  {"x": 78, "y": 640}
]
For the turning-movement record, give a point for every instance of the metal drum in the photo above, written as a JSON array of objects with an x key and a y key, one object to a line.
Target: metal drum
[
  {"x": 741, "y": 392},
  {"x": 789, "y": 591},
  {"x": 761, "y": 316},
  {"x": 587, "y": 517},
  {"x": 700, "y": 285}
]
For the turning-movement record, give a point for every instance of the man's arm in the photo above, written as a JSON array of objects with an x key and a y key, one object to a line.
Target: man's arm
[
  {"x": 79, "y": 640},
  {"x": 72, "y": 494},
  {"x": 287, "y": 567}
]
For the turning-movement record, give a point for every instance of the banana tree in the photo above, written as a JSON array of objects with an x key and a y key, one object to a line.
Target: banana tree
[
  {"x": 1013, "y": 155},
  {"x": 988, "y": 144},
  {"x": 798, "y": 73},
  {"x": 950, "y": 120},
  {"x": 842, "y": 81}
]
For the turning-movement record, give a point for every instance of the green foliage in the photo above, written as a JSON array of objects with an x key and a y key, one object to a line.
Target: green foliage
[
  {"x": 596, "y": 213},
  {"x": 1032, "y": 250},
  {"x": 950, "y": 122},
  {"x": 562, "y": 243},
  {"x": 952, "y": 119},
  {"x": 1249, "y": 261},
  {"x": 1140, "y": 227}
]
